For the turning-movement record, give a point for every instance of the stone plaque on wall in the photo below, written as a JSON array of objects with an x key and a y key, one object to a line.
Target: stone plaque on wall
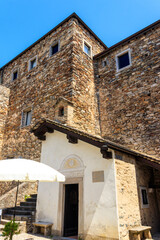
[{"x": 98, "y": 176}]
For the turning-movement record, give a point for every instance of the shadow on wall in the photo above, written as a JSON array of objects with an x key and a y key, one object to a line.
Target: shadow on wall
[{"x": 148, "y": 197}]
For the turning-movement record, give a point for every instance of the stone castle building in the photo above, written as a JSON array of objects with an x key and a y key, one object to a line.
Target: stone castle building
[{"x": 70, "y": 76}]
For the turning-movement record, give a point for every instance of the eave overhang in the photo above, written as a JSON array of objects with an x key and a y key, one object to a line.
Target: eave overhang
[{"x": 73, "y": 135}]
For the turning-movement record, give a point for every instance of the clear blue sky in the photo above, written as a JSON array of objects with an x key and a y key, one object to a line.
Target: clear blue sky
[{"x": 22, "y": 22}]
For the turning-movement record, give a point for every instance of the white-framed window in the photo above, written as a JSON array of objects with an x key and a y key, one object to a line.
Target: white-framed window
[
  {"x": 87, "y": 48},
  {"x": 32, "y": 63},
  {"x": 54, "y": 48},
  {"x": 14, "y": 75},
  {"x": 123, "y": 60},
  {"x": 26, "y": 117},
  {"x": 144, "y": 197}
]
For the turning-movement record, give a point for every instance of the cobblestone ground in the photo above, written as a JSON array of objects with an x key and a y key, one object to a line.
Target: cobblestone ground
[{"x": 26, "y": 236}]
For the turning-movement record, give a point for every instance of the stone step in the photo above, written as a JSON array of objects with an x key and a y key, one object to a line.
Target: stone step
[
  {"x": 33, "y": 196},
  {"x": 18, "y": 212},
  {"x": 27, "y": 203},
  {"x": 17, "y": 217},
  {"x": 26, "y": 208},
  {"x": 31, "y": 200},
  {"x": 24, "y": 212}
]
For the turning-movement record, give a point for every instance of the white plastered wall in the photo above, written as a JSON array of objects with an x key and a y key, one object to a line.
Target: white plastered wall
[{"x": 99, "y": 198}]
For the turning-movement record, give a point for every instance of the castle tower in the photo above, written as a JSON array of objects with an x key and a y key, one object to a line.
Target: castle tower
[{"x": 54, "y": 79}]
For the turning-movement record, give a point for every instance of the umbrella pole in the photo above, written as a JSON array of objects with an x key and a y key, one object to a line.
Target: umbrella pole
[{"x": 16, "y": 200}]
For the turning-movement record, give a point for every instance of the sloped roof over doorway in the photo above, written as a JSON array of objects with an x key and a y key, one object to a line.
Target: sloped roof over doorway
[{"x": 73, "y": 135}]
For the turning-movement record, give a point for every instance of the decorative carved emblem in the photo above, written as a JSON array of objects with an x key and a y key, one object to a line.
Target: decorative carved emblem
[
  {"x": 71, "y": 163},
  {"x": 72, "y": 166}
]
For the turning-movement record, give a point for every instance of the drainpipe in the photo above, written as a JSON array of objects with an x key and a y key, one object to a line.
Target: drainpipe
[{"x": 98, "y": 99}]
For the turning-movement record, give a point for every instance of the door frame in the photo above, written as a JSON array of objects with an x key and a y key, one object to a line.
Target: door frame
[{"x": 61, "y": 204}]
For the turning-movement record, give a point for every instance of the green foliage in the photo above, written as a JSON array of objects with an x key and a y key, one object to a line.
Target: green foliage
[
  {"x": 26, "y": 196},
  {"x": 10, "y": 229}
]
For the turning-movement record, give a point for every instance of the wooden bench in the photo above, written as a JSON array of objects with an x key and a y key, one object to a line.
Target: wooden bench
[
  {"x": 140, "y": 232},
  {"x": 42, "y": 227}
]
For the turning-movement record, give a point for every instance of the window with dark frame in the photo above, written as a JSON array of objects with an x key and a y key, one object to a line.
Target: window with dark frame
[
  {"x": 54, "y": 49},
  {"x": 26, "y": 118},
  {"x": 14, "y": 75},
  {"x": 87, "y": 49},
  {"x": 144, "y": 196},
  {"x": 32, "y": 63},
  {"x": 123, "y": 60},
  {"x": 61, "y": 112}
]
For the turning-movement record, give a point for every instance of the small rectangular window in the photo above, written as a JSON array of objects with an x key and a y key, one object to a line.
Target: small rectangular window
[
  {"x": 104, "y": 63},
  {"x": 26, "y": 118},
  {"x": 123, "y": 60},
  {"x": 144, "y": 197},
  {"x": 32, "y": 63},
  {"x": 15, "y": 75},
  {"x": 54, "y": 49},
  {"x": 87, "y": 48}
]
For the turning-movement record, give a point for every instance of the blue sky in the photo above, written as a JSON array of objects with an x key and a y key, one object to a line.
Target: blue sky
[{"x": 22, "y": 22}]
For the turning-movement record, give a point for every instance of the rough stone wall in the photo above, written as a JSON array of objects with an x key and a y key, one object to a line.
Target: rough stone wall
[
  {"x": 130, "y": 99},
  {"x": 4, "y": 101},
  {"x": 127, "y": 194},
  {"x": 130, "y": 176},
  {"x": 37, "y": 89},
  {"x": 26, "y": 188},
  {"x": 40, "y": 88},
  {"x": 149, "y": 215},
  {"x": 85, "y": 111}
]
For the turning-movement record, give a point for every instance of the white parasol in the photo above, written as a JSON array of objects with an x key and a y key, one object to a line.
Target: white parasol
[{"x": 27, "y": 170}]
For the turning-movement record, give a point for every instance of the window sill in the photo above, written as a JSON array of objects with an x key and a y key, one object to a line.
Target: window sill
[
  {"x": 124, "y": 68},
  {"x": 26, "y": 126},
  {"x": 29, "y": 70},
  {"x": 50, "y": 56},
  {"x": 88, "y": 55}
]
